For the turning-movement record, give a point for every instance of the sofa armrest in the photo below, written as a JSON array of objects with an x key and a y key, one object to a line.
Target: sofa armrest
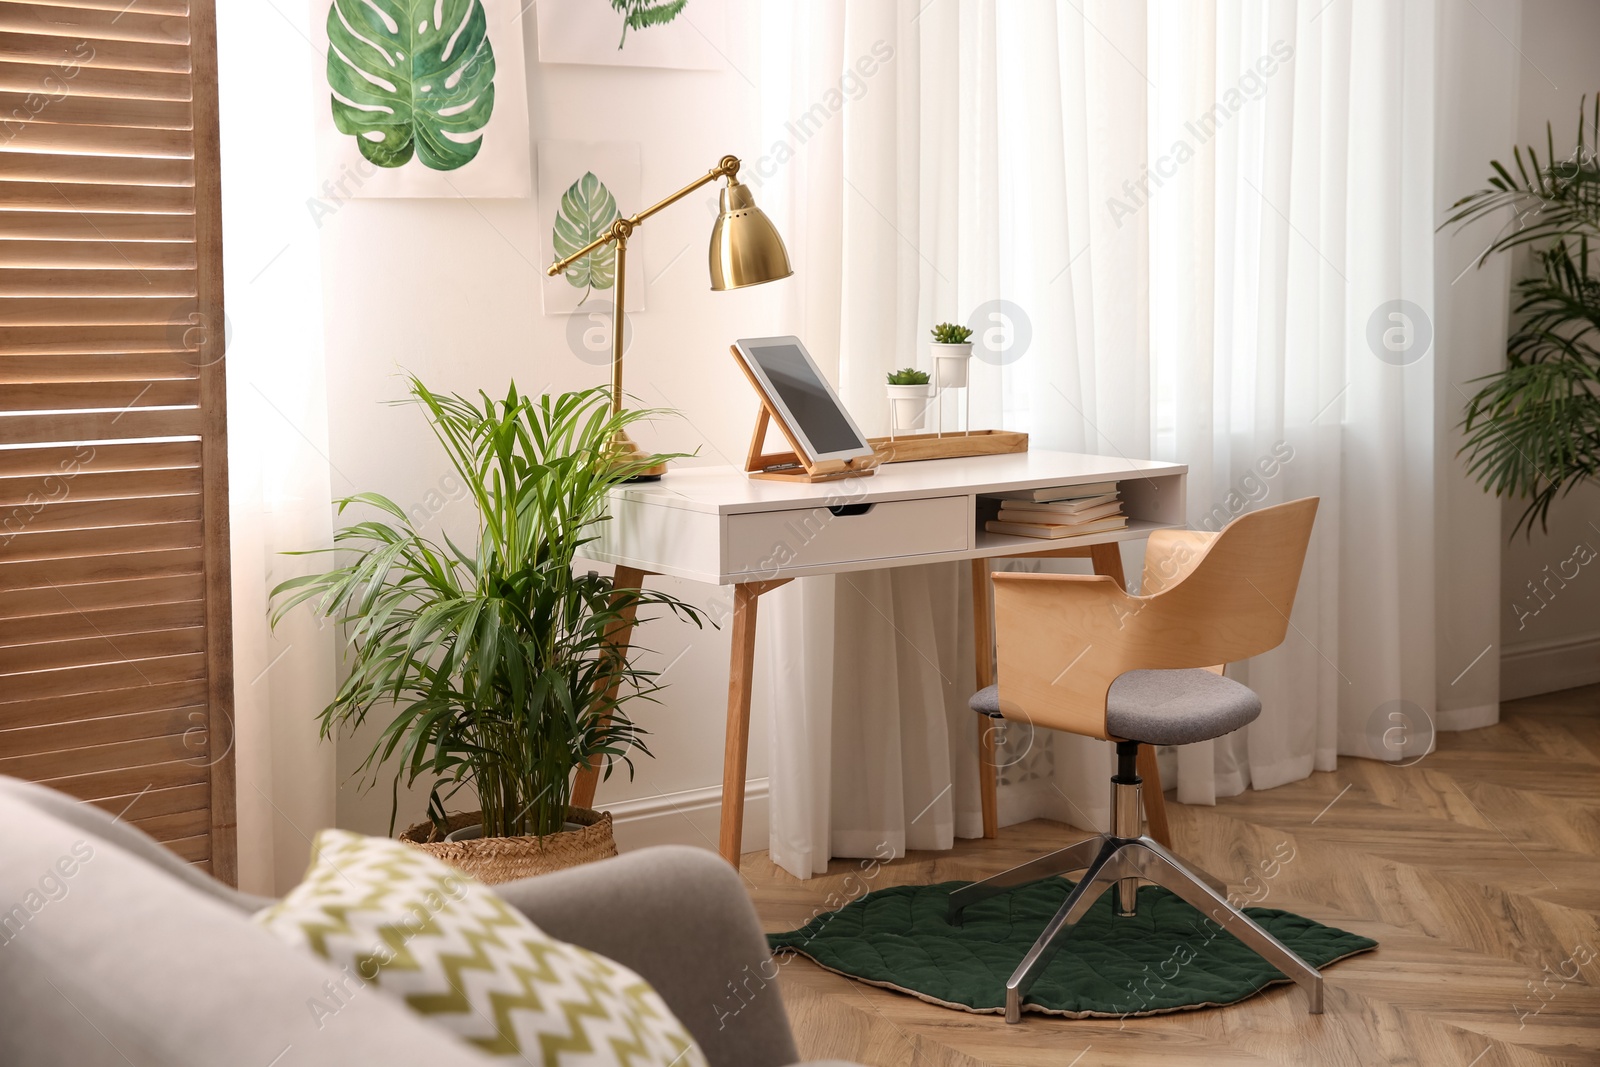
[
  {"x": 107, "y": 959},
  {"x": 679, "y": 917}
]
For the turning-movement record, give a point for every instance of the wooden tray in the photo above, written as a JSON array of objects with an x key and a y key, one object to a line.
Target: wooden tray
[{"x": 909, "y": 447}]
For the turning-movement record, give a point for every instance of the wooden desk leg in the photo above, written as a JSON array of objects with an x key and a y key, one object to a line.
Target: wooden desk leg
[
  {"x": 983, "y": 643},
  {"x": 1108, "y": 561},
  {"x": 617, "y": 635},
  {"x": 736, "y": 744}
]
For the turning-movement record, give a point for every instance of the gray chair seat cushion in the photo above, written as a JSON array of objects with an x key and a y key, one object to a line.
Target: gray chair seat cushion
[{"x": 1163, "y": 707}]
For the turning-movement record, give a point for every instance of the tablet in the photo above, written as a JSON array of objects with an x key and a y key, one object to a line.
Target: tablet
[{"x": 810, "y": 408}]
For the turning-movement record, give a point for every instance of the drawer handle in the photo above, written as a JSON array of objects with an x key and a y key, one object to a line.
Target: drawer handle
[{"x": 843, "y": 510}]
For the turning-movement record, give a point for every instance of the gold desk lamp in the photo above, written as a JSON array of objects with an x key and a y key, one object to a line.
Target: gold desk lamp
[{"x": 745, "y": 250}]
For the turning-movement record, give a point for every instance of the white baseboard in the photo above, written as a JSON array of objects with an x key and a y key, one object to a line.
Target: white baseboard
[
  {"x": 1545, "y": 666},
  {"x": 1473, "y": 718},
  {"x": 691, "y": 817}
]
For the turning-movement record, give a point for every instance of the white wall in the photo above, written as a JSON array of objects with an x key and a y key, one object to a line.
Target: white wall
[
  {"x": 1477, "y": 116},
  {"x": 1551, "y": 639},
  {"x": 449, "y": 289}
]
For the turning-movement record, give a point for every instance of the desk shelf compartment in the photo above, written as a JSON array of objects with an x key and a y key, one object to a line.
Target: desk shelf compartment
[{"x": 1150, "y": 503}]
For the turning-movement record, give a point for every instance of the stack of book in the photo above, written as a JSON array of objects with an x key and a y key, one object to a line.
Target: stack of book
[{"x": 1059, "y": 511}]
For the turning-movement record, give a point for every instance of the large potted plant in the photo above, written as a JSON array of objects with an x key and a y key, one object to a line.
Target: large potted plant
[
  {"x": 1533, "y": 428},
  {"x": 492, "y": 659}
]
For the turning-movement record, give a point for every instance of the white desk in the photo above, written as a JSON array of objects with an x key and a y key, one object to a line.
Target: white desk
[{"x": 716, "y": 525}]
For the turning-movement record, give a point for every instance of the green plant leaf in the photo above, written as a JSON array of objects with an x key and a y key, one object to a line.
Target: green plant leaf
[
  {"x": 1533, "y": 429},
  {"x": 642, "y": 14},
  {"x": 411, "y": 77},
  {"x": 1558, "y": 199},
  {"x": 587, "y": 210}
]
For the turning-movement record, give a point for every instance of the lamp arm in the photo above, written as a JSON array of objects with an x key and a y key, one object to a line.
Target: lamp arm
[{"x": 727, "y": 167}]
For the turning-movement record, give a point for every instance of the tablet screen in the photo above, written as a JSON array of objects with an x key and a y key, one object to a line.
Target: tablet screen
[{"x": 808, "y": 397}]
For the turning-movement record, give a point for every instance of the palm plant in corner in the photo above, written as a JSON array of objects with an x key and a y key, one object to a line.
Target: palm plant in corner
[
  {"x": 1533, "y": 429},
  {"x": 494, "y": 662}
]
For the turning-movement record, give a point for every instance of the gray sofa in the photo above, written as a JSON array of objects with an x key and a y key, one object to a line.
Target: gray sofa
[{"x": 114, "y": 953}]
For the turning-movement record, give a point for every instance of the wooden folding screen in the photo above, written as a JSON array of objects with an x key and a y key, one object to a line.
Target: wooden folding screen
[{"x": 115, "y": 678}]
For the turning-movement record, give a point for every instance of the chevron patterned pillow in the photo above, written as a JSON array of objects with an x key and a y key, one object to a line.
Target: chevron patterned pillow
[{"x": 394, "y": 918}]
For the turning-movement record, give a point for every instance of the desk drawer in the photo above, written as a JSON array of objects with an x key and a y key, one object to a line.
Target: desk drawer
[{"x": 762, "y": 543}]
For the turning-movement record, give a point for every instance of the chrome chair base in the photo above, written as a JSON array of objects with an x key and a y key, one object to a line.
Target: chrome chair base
[
  {"x": 1122, "y": 858},
  {"x": 1122, "y": 861}
]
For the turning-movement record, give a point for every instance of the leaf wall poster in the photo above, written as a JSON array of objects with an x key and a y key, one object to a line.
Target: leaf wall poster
[
  {"x": 583, "y": 187},
  {"x": 587, "y": 210},
  {"x": 411, "y": 78},
  {"x": 420, "y": 98},
  {"x": 643, "y": 14},
  {"x": 678, "y": 34}
]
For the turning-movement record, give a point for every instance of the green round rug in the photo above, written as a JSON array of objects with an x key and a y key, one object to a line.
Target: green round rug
[{"x": 1169, "y": 957}]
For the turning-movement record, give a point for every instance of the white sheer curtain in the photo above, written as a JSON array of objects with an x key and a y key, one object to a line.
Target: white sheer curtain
[
  {"x": 1201, "y": 217},
  {"x": 277, "y": 458}
]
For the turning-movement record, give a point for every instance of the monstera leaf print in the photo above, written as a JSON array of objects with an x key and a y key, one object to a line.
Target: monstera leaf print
[
  {"x": 587, "y": 210},
  {"x": 411, "y": 77},
  {"x": 642, "y": 14}
]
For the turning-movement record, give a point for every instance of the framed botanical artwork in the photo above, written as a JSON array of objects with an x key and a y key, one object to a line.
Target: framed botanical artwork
[
  {"x": 584, "y": 186},
  {"x": 682, "y": 34},
  {"x": 421, "y": 98}
]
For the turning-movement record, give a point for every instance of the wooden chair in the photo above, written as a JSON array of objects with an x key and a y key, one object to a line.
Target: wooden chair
[{"x": 1077, "y": 653}]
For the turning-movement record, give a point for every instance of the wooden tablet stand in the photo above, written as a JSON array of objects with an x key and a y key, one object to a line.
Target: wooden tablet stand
[{"x": 795, "y": 465}]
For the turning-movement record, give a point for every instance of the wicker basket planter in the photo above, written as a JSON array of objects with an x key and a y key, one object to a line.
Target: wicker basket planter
[{"x": 502, "y": 859}]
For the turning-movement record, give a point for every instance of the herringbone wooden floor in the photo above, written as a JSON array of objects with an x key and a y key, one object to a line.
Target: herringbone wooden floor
[{"x": 1477, "y": 869}]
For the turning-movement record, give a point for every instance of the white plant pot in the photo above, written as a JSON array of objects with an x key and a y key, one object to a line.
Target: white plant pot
[
  {"x": 910, "y": 405},
  {"x": 950, "y": 364}
]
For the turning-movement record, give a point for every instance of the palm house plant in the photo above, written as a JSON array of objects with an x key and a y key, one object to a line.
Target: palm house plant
[
  {"x": 1533, "y": 428},
  {"x": 489, "y": 662},
  {"x": 908, "y": 391}
]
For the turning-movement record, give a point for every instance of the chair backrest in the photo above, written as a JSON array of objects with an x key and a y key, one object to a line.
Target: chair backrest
[
  {"x": 1169, "y": 556},
  {"x": 1063, "y": 639}
]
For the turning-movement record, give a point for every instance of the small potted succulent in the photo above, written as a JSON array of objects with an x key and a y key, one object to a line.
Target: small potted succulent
[
  {"x": 908, "y": 395},
  {"x": 952, "y": 350}
]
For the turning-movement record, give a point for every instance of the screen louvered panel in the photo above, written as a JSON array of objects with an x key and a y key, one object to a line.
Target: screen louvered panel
[{"x": 115, "y": 679}]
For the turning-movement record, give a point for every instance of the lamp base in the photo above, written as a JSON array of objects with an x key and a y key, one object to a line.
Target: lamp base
[{"x": 626, "y": 451}]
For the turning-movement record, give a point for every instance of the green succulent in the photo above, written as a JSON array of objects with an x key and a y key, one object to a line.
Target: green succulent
[
  {"x": 908, "y": 376},
  {"x": 948, "y": 333}
]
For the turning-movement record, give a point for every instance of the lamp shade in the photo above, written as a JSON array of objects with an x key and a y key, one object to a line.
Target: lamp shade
[{"x": 745, "y": 246}]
